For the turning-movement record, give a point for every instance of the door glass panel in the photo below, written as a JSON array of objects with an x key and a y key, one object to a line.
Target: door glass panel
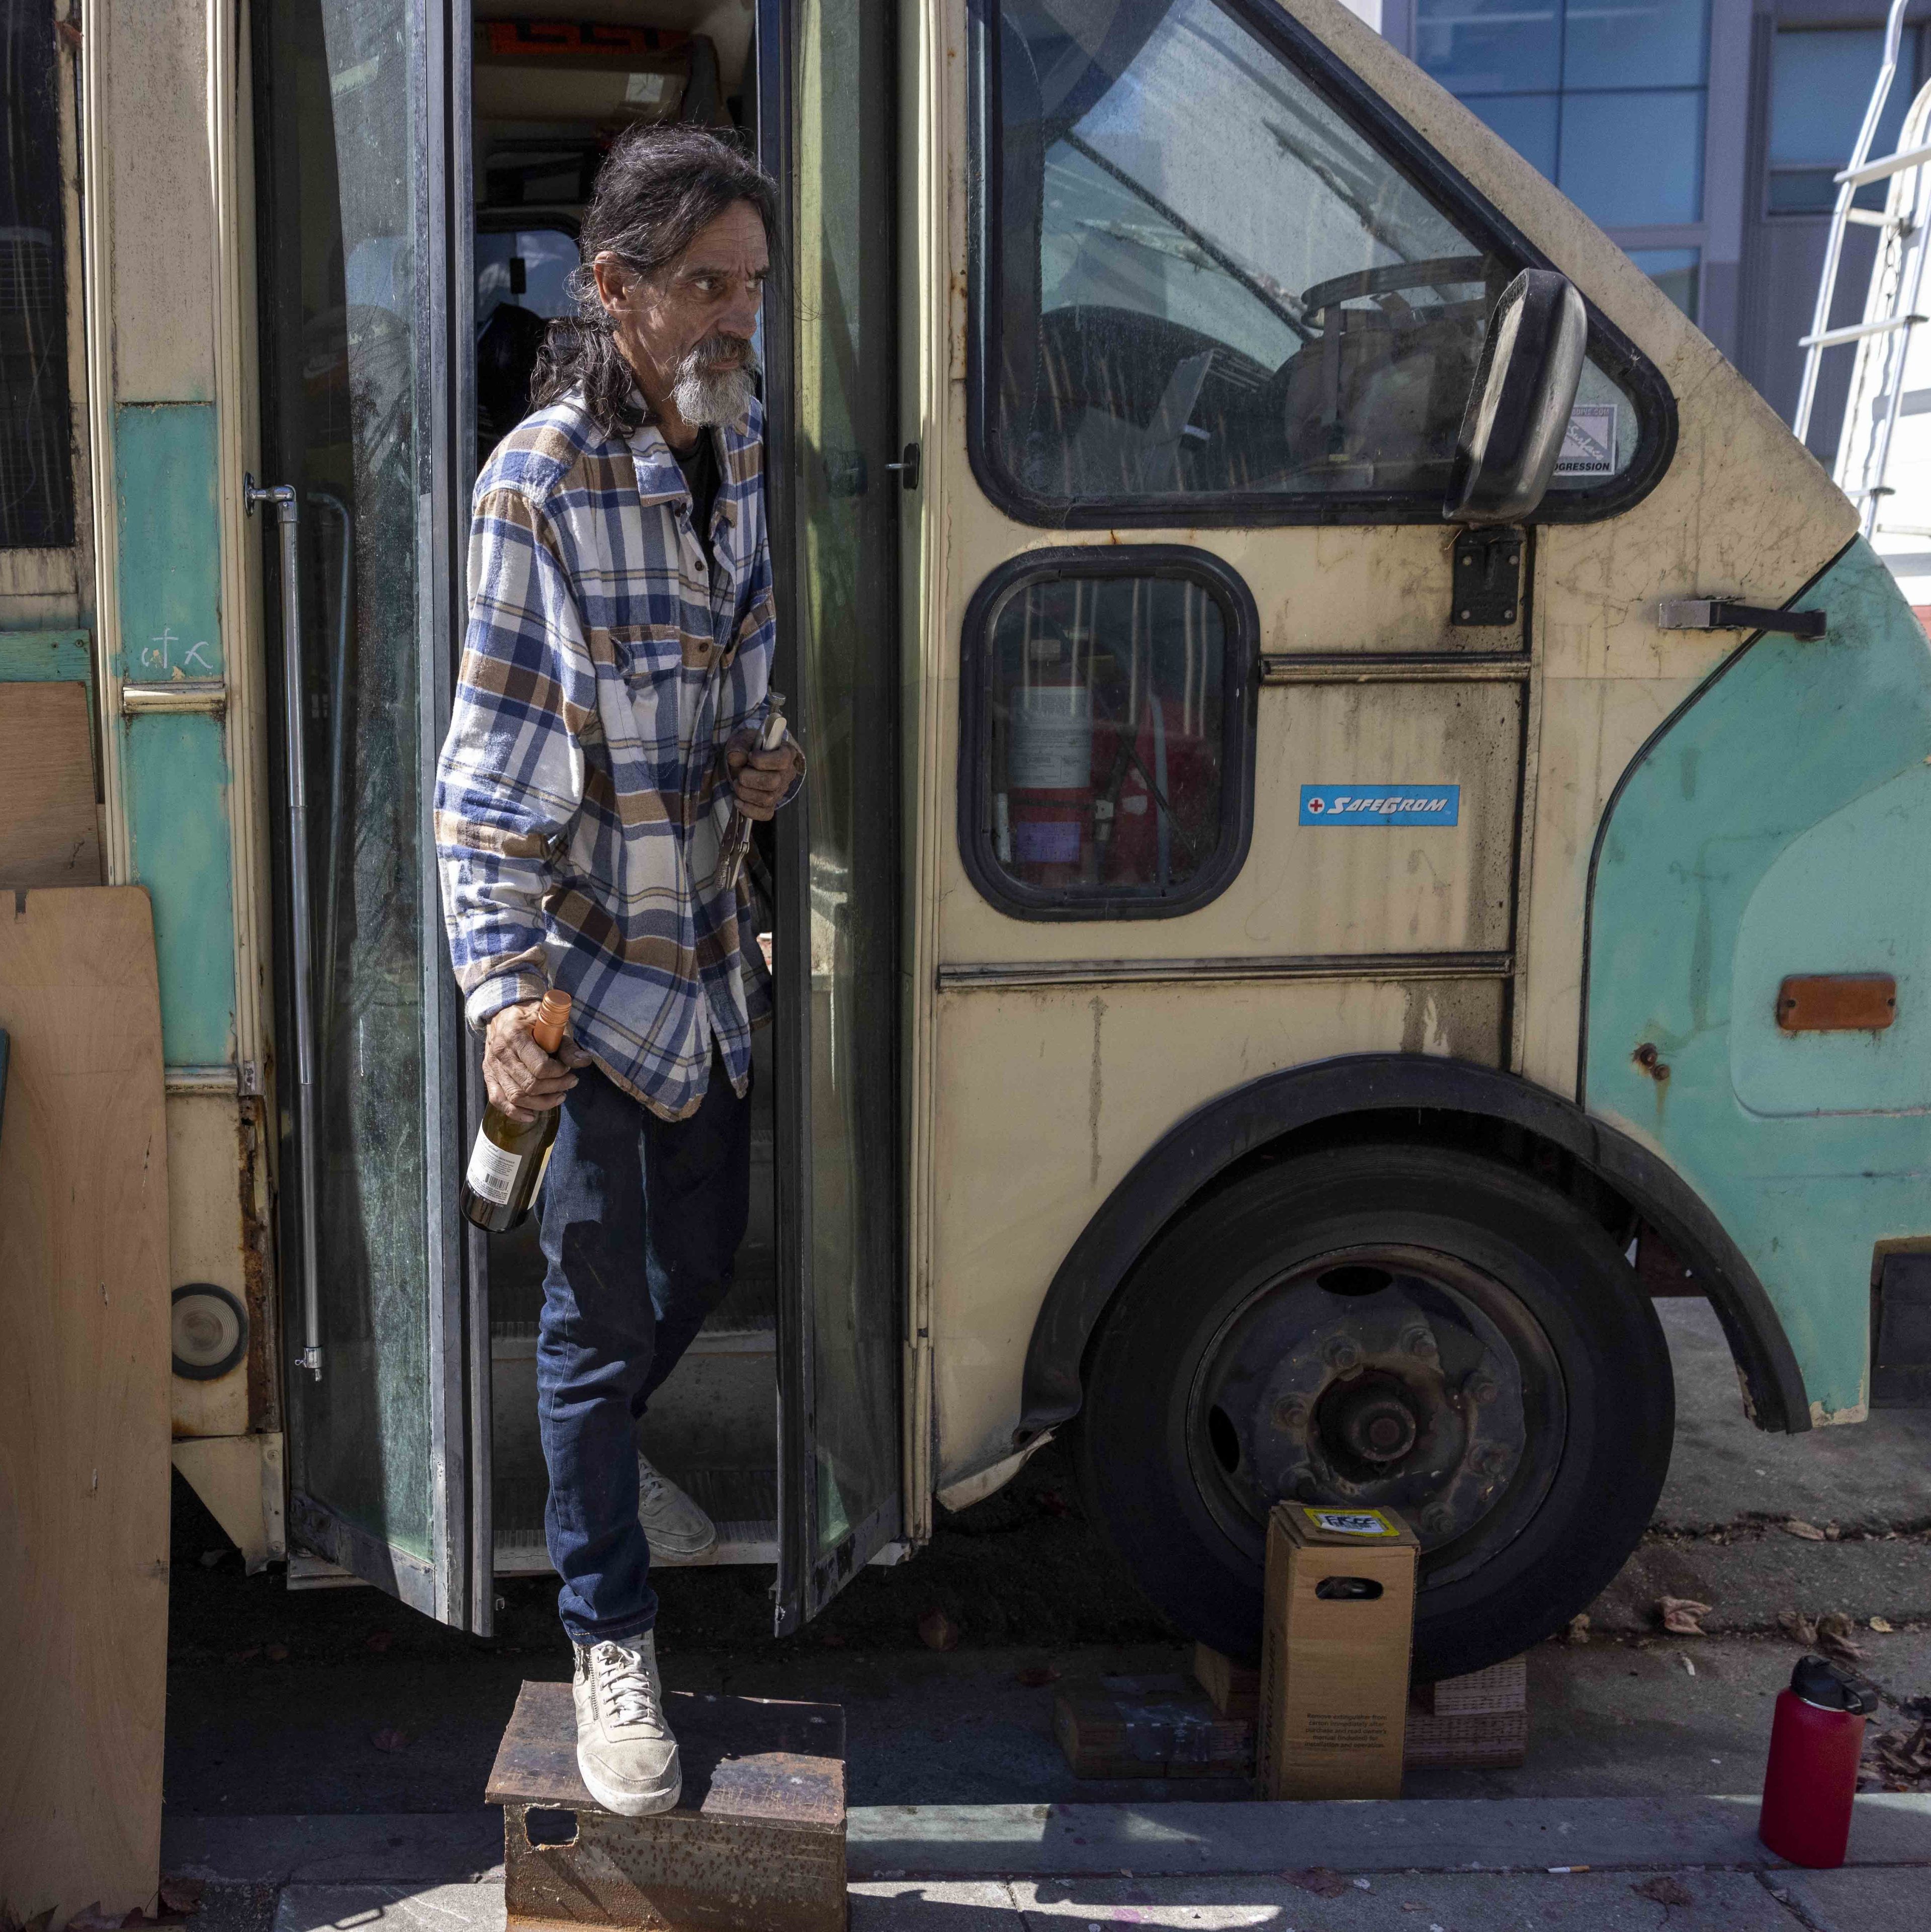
[
  {"x": 1152, "y": 335},
  {"x": 847, "y": 528},
  {"x": 36, "y": 476},
  {"x": 344, "y": 137}
]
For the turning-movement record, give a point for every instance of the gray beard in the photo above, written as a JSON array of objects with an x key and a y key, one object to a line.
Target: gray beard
[{"x": 706, "y": 398}]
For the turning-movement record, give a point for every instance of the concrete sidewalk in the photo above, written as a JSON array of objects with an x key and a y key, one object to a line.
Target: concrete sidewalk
[{"x": 1471, "y": 1865}]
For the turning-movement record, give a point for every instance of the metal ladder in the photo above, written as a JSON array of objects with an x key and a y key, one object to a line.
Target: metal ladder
[{"x": 1901, "y": 311}]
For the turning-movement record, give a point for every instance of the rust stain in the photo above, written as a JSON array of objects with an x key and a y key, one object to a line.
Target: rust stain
[{"x": 264, "y": 1403}]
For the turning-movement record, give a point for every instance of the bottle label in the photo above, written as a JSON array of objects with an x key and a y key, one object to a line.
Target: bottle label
[{"x": 493, "y": 1170}]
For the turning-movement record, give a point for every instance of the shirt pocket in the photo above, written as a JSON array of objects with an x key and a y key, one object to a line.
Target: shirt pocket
[{"x": 643, "y": 653}]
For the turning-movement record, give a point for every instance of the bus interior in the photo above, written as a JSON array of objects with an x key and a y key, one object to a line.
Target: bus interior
[{"x": 551, "y": 89}]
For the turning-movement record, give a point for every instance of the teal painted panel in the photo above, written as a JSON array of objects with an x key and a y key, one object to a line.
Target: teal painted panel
[
  {"x": 175, "y": 779},
  {"x": 1780, "y": 824},
  {"x": 164, "y": 480},
  {"x": 175, "y": 782},
  {"x": 48, "y": 657}
]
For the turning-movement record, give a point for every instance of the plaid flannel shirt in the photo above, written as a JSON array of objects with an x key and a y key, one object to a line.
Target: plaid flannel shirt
[{"x": 581, "y": 797}]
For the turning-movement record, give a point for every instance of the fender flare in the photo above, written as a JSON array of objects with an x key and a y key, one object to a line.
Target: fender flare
[{"x": 1211, "y": 1139}]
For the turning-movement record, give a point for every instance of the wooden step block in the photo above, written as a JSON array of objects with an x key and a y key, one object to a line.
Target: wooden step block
[
  {"x": 1502, "y": 1687},
  {"x": 1159, "y": 1727},
  {"x": 1165, "y": 1727},
  {"x": 1234, "y": 1689},
  {"x": 758, "y": 1839},
  {"x": 1474, "y": 1722}
]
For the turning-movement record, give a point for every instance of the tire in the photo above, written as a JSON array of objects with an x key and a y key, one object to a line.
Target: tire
[{"x": 1407, "y": 1326}]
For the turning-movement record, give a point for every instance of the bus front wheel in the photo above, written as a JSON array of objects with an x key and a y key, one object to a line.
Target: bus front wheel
[{"x": 1410, "y": 1326}]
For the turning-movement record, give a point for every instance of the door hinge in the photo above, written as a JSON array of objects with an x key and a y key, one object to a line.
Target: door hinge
[
  {"x": 1718, "y": 613},
  {"x": 1488, "y": 586}
]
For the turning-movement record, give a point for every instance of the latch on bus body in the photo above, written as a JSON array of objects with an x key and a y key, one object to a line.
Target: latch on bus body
[{"x": 1718, "y": 613}]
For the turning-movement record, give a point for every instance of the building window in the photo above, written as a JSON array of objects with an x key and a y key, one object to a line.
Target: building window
[
  {"x": 1152, "y": 348},
  {"x": 36, "y": 429},
  {"x": 1820, "y": 84},
  {"x": 1108, "y": 723},
  {"x": 1673, "y": 271},
  {"x": 1606, "y": 97}
]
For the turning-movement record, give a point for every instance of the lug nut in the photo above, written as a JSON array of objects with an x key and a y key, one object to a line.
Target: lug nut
[
  {"x": 1341, "y": 1354},
  {"x": 1434, "y": 1519},
  {"x": 1480, "y": 1389},
  {"x": 1419, "y": 1341},
  {"x": 1290, "y": 1417},
  {"x": 1304, "y": 1490}
]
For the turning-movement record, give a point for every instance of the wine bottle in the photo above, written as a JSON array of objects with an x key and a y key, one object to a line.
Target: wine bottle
[{"x": 507, "y": 1161}]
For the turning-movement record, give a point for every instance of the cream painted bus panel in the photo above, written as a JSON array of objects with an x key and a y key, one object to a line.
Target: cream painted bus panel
[
  {"x": 205, "y": 1234},
  {"x": 1314, "y": 890},
  {"x": 163, "y": 212},
  {"x": 1743, "y": 511},
  {"x": 1047, "y": 1098}
]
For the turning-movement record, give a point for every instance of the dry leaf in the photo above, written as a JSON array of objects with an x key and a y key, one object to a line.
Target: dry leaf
[
  {"x": 1578, "y": 1629},
  {"x": 1882, "y": 1625},
  {"x": 391, "y": 1740},
  {"x": 1036, "y": 1675},
  {"x": 1679, "y": 1614},
  {"x": 1810, "y": 1533},
  {"x": 91, "y": 1918},
  {"x": 1833, "y": 1636},
  {"x": 1798, "y": 1627},
  {"x": 1903, "y": 1756},
  {"x": 1664, "y": 1890},
  {"x": 937, "y": 1631},
  {"x": 1322, "y": 1880},
  {"x": 182, "y": 1895}
]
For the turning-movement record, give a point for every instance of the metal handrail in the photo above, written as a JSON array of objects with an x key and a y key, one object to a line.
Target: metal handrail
[
  {"x": 1847, "y": 189},
  {"x": 287, "y": 508}
]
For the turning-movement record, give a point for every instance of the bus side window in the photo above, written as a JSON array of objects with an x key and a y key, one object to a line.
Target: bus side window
[{"x": 1108, "y": 731}]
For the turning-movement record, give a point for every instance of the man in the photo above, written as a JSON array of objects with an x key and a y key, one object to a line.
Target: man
[{"x": 609, "y": 710}]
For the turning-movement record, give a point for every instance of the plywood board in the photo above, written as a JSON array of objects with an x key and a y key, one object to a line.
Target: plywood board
[
  {"x": 83, "y": 1404},
  {"x": 49, "y": 832}
]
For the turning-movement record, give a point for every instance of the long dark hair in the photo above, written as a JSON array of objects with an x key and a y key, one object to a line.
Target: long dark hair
[{"x": 656, "y": 190}]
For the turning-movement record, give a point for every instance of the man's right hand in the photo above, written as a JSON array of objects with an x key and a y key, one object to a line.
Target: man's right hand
[{"x": 522, "y": 1080}]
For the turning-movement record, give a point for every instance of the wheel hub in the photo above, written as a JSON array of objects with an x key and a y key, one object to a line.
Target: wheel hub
[
  {"x": 1377, "y": 1376},
  {"x": 1368, "y": 1418}
]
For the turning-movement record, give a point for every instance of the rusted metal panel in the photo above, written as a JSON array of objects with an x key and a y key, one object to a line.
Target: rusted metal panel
[
  {"x": 757, "y": 1839},
  {"x": 1836, "y": 1003}
]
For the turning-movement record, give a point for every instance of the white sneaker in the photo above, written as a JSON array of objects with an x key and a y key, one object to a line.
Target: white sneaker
[
  {"x": 624, "y": 1750},
  {"x": 677, "y": 1530}
]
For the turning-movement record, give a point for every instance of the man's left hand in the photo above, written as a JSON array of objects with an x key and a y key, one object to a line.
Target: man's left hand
[{"x": 760, "y": 779}]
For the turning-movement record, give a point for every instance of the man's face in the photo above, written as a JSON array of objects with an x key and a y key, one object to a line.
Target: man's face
[{"x": 687, "y": 331}]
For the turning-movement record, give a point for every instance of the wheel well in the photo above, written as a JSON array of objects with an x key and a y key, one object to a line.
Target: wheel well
[
  {"x": 1396, "y": 1100},
  {"x": 1506, "y": 1142}
]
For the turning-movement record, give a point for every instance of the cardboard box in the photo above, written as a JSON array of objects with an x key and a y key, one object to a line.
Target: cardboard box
[{"x": 1337, "y": 1629}]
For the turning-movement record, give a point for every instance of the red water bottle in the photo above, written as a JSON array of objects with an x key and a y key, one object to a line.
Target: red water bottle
[{"x": 1815, "y": 1740}]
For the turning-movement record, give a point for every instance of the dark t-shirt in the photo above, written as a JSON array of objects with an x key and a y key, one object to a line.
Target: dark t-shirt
[{"x": 699, "y": 465}]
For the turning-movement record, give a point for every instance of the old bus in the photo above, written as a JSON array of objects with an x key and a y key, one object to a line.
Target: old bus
[{"x": 1286, "y": 938}]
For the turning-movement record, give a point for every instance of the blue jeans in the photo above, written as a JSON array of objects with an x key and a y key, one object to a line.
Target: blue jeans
[{"x": 641, "y": 1220}]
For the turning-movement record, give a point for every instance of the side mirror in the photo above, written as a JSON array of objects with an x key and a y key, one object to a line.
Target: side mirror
[{"x": 1519, "y": 406}]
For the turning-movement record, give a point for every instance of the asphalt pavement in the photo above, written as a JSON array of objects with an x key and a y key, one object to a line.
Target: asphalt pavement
[{"x": 341, "y": 1713}]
